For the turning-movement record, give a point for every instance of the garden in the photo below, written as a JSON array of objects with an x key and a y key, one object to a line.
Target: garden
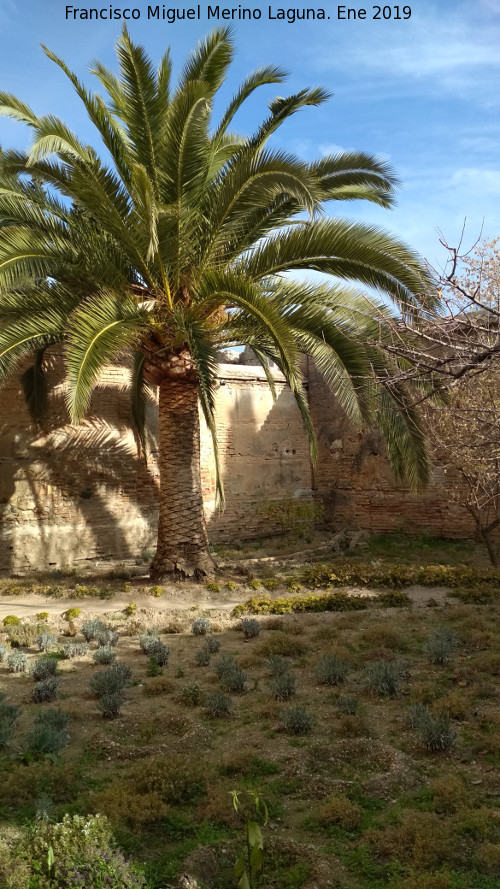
[{"x": 337, "y": 727}]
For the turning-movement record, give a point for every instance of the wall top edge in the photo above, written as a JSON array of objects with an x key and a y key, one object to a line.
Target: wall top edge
[{"x": 247, "y": 372}]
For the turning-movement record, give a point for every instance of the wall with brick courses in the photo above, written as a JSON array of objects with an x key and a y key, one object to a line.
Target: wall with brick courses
[
  {"x": 353, "y": 478},
  {"x": 68, "y": 495}
]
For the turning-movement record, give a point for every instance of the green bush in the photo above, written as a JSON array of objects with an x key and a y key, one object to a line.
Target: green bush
[
  {"x": 233, "y": 679},
  {"x": 284, "y": 686},
  {"x": 45, "y": 690},
  {"x": 202, "y": 657},
  {"x": 56, "y": 719},
  {"x": 383, "y": 677},
  {"x": 17, "y": 661},
  {"x": 83, "y": 855},
  {"x": 218, "y": 706},
  {"x": 296, "y": 721},
  {"x": 110, "y": 681},
  {"x": 104, "y": 655},
  {"x": 331, "y": 670},
  {"x": 43, "y": 740},
  {"x": 43, "y": 668},
  {"x": 325, "y": 602},
  {"x": 212, "y": 645},
  {"x": 348, "y": 705},
  {"x": 433, "y": 729},
  {"x": 277, "y": 665},
  {"x": 200, "y": 626},
  {"x": 91, "y": 628},
  {"x": 110, "y": 705},
  {"x": 11, "y": 620},
  {"x": 45, "y": 641},
  {"x": 71, "y": 650},
  {"x": 440, "y": 645},
  {"x": 250, "y": 628},
  {"x": 159, "y": 652}
]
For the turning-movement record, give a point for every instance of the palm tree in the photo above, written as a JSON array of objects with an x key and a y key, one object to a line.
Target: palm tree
[{"x": 177, "y": 244}]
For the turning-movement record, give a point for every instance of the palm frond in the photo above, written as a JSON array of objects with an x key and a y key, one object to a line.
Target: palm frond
[{"x": 102, "y": 326}]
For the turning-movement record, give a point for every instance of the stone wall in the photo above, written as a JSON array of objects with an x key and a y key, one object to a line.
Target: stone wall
[
  {"x": 73, "y": 494},
  {"x": 70, "y": 495}
]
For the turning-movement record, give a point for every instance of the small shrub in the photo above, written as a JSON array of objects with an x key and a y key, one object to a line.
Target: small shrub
[
  {"x": 110, "y": 681},
  {"x": 331, "y": 670},
  {"x": 296, "y": 721},
  {"x": 72, "y": 613},
  {"x": 338, "y": 809},
  {"x": 56, "y": 719},
  {"x": 43, "y": 740},
  {"x": 159, "y": 652},
  {"x": 42, "y": 615},
  {"x": 440, "y": 644},
  {"x": 45, "y": 641},
  {"x": 212, "y": 645},
  {"x": 250, "y": 628},
  {"x": 25, "y": 635},
  {"x": 284, "y": 686},
  {"x": 173, "y": 628},
  {"x": 110, "y": 705},
  {"x": 277, "y": 665},
  {"x": 254, "y": 584},
  {"x": 176, "y": 778},
  {"x": 283, "y": 644},
  {"x": 11, "y": 621},
  {"x": 106, "y": 637},
  {"x": 213, "y": 587},
  {"x": 158, "y": 686},
  {"x": 90, "y": 629},
  {"x": 147, "y": 639},
  {"x": 234, "y": 679},
  {"x": 83, "y": 855},
  {"x": 271, "y": 584},
  {"x": 130, "y": 609},
  {"x": 156, "y": 591},
  {"x": 200, "y": 626},
  {"x": 43, "y": 668},
  {"x": 433, "y": 729},
  {"x": 202, "y": 657},
  {"x": 383, "y": 677},
  {"x": 17, "y": 661},
  {"x": 218, "y": 706},
  {"x": 8, "y": 717},
  {"x": 395, "y": 599},
  {"x": 104, "y": 655},
  {"x": 71, "y": 650},
  {"x": 7, "y": 729},
  {"x": 192, "y": 695},
  {"x": 224, "y": 664},
  {"x": 348, "y": 705},
  {"x": 45, "y": 690},
  {"x": 154, "y": 668},
  {"x": 3, "y": 652}
]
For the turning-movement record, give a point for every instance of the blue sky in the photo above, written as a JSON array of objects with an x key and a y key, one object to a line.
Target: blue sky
[{"x": 423, "y": 93}]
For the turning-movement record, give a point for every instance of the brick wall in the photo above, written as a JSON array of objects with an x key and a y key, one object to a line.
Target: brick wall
[{"x": 74, "y": 494}]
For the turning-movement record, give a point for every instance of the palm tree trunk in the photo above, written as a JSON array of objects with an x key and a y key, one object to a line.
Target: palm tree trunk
[{"x": 182, "y": 550}]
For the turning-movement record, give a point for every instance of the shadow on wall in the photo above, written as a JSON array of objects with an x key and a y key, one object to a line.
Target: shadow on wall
[{"x": 70, "y": 493}]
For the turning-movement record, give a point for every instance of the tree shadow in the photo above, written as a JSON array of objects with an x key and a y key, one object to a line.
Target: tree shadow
[{"x": 72, "y": 493}]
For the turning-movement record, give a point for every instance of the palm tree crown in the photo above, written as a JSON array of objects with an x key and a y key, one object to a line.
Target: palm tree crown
[{"x": 177, "y": 245}]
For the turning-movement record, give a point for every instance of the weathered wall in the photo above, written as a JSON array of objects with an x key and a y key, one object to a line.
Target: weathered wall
[
  {"x": 354, "y": 480},
  {"x": 71, "y": 494},
  {"x": 74, "y": 494}
]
